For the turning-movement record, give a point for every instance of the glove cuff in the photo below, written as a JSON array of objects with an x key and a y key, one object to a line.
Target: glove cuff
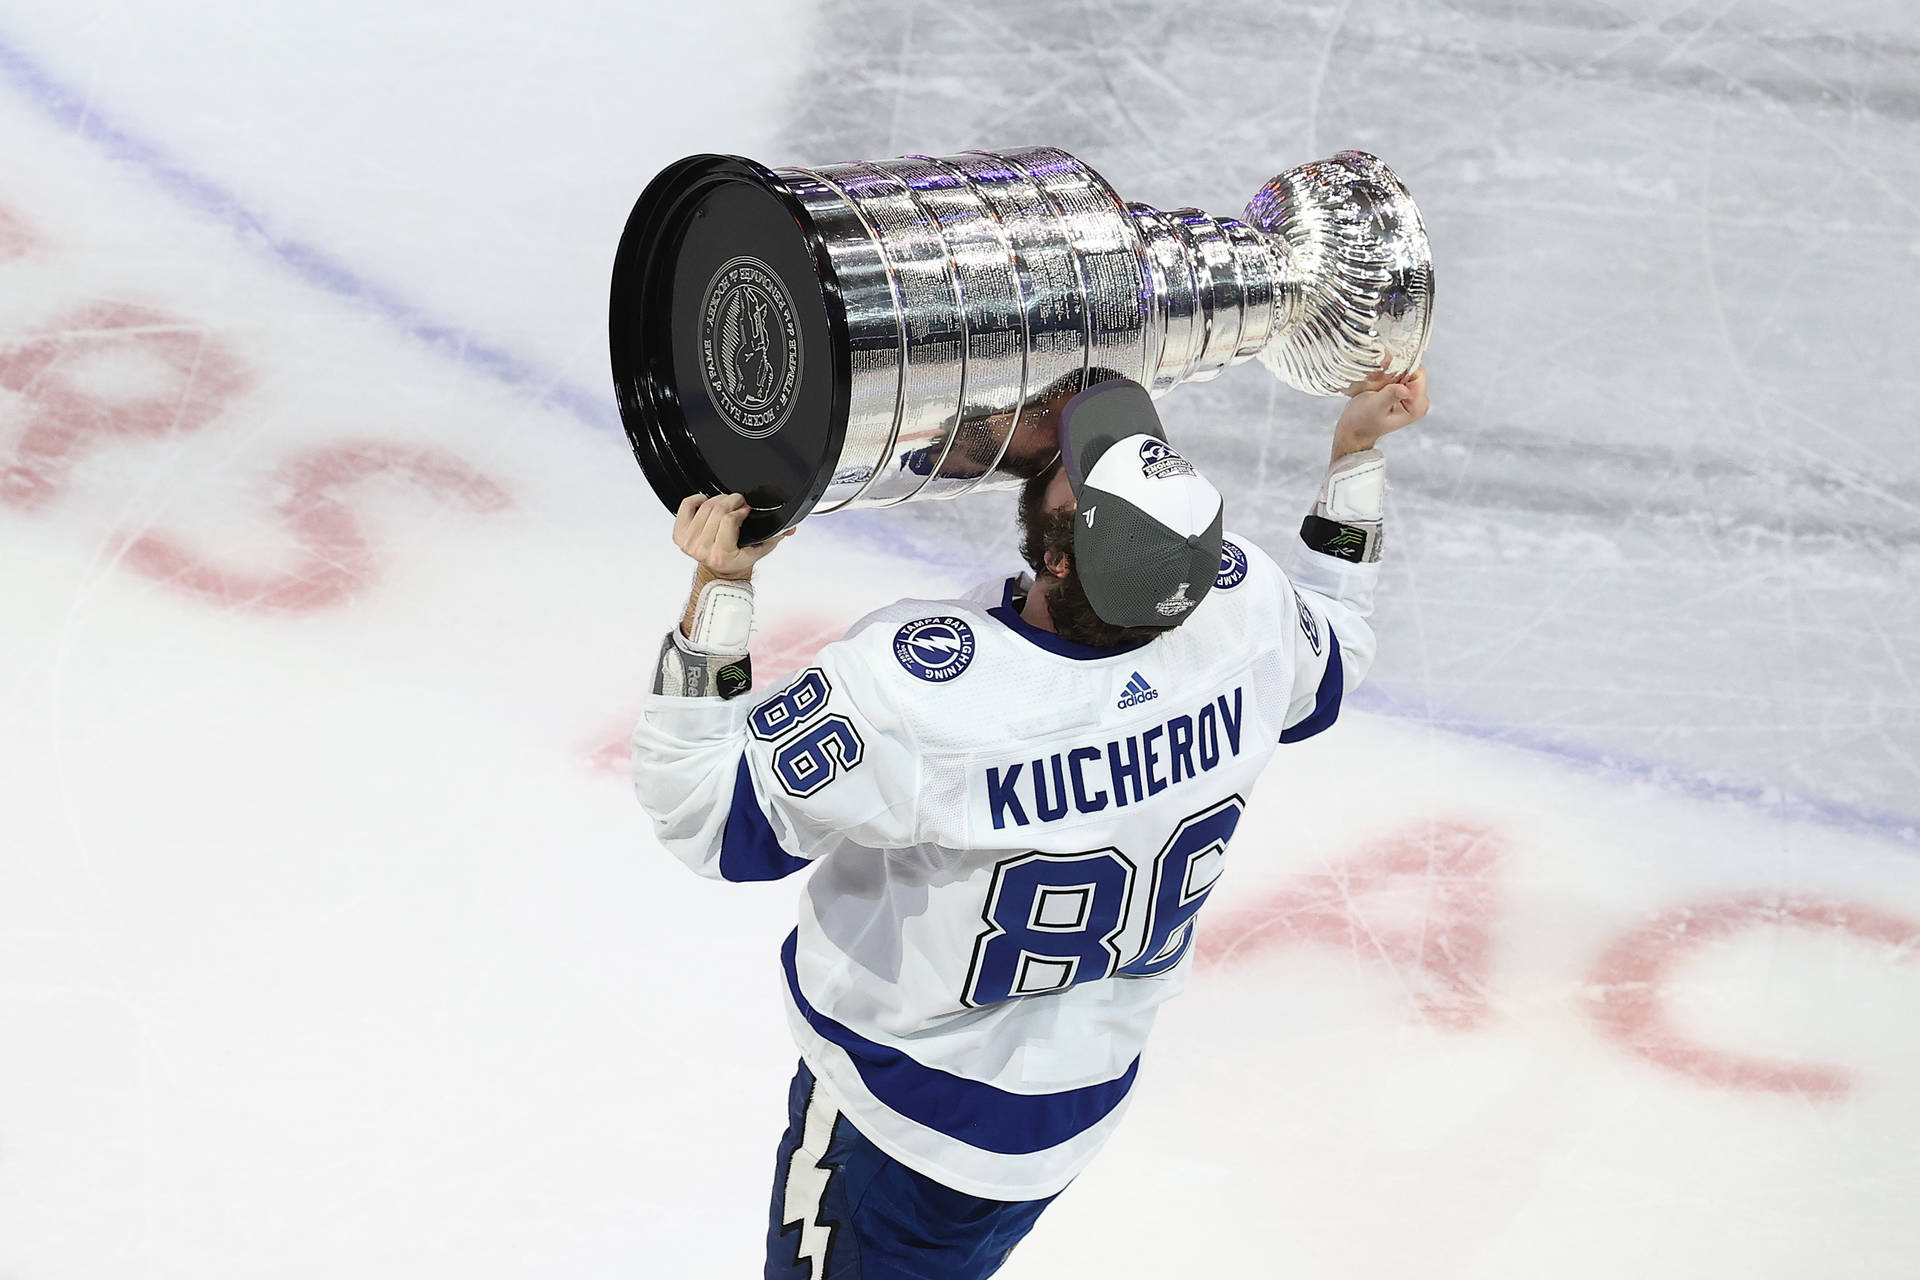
[
  {"x": 1349, "y": 511},
  {"x": 683, "y": 672},
  {"x": 722, "y": 618}
]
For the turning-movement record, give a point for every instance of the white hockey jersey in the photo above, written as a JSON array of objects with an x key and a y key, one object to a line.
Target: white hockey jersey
[{"x": 1010, "y": 837}]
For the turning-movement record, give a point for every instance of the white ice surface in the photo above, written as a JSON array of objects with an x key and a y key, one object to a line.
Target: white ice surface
[{"x": 332, "y": 943}]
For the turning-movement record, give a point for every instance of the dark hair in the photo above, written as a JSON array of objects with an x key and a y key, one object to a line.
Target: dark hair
[{"x": 1045, "y": 533}]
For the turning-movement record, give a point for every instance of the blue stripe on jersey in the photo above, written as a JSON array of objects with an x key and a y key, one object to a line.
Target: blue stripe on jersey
[
  {"x": 1047, "y": 640},
  {"x": 1326, "y": 702},
  {"x": 748, "y": 848},
  {"x": 1012, "y": 1124}
]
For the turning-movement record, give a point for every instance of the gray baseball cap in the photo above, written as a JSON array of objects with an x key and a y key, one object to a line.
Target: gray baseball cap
[{"x": 1147, "y": 538}]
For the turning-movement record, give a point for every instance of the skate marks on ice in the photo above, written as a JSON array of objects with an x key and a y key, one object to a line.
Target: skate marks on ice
[
  {"x": 1427, "y": 906},
  {"x": 102, "y": 373},
  {"x": 1423, "y": 902},
  {"x": 107, "y": 370},
  {"x": 335, "y": 558},
  {"x": 1634, "y": 981},
  {"x": 1660, "y": 512}
]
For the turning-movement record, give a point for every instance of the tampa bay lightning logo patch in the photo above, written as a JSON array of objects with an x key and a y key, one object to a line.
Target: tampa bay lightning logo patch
[
  {"x": 1233, "y": 566},
  {"x": 934, "y": 649}
]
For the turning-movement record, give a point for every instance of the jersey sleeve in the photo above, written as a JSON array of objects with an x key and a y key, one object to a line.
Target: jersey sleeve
[
  {"x": 1334, "y": 644},
  {"x": 757, "y": 791}
]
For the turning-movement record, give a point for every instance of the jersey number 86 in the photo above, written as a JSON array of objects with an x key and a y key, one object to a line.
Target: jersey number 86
[
  {"x": 1057, "y": 920},
  {"x": 812, "y": 756}
]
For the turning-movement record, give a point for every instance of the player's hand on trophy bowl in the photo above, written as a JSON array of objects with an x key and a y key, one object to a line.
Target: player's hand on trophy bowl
[
  {"x": 708, "y": 530},
  {"x": 706, "y": 655},
  {"x": 1379, "y": 407}
]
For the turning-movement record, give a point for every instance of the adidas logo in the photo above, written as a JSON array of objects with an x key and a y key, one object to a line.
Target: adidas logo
[{"x": 1137, "y": 692}]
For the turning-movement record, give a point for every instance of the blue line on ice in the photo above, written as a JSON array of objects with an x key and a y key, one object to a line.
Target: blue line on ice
[
  {"x": 309, "y": 262},
  {"x": 320, "y": 269}
]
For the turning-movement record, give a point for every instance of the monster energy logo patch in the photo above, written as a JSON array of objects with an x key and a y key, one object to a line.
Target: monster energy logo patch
[
  {"x": 1330, "y": 537},
  {"x": 734, "y": 679},
  {"x": 750, "y": 347}
]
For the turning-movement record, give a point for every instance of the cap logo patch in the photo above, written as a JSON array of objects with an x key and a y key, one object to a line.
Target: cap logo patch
[
  {"x": 1176, "y": 604},
  {"x": 1233, "y": 566},
  {"x": 934, "y": 649},
  {"x": 1158, "y": 461}
]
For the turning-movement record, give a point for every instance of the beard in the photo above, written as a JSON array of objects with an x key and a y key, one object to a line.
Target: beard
[{"x": 1048, "y": 535}]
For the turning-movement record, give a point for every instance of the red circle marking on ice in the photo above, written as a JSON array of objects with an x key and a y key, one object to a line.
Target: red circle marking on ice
[
  {"x": 335, "y": 558},
  {"x": 1633, "y": 974},
  {"x": 1422, "y": 901}
]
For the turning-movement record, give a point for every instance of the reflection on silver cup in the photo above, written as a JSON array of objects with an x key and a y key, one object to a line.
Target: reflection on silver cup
[{"x": 860, "y": 335}]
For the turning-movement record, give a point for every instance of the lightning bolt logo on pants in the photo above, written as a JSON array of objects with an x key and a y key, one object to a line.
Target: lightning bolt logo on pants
[{"x": 806, "y": 1186}]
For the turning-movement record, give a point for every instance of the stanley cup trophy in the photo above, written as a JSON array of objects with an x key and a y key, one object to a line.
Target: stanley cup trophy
[{"x": 860, "y": 335}]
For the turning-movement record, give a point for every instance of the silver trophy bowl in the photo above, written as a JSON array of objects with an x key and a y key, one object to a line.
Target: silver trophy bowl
[{"x": 861, "y": 335}]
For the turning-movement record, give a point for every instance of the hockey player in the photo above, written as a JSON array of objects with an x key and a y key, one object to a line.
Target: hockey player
[{"x": 1013, "y": 806}]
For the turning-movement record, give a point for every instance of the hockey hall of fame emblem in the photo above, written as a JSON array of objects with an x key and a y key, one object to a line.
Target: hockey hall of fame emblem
[{"x": 750, "y": 347}]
